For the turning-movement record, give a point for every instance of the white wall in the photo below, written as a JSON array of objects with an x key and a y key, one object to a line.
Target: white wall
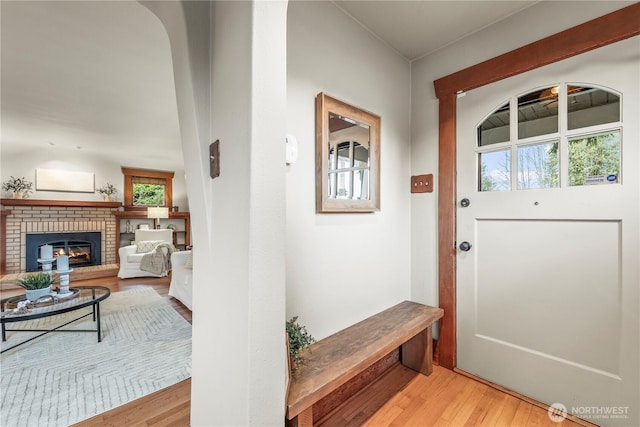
[
  {"x": 72, "y": 160},
  {"x": 342, "y": 268},
  {"x": 238, "y": 314},
  {"x": 514, "y": 32}
]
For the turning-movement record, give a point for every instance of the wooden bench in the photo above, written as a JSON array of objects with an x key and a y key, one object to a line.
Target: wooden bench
[{"x": 340, "y": 357}]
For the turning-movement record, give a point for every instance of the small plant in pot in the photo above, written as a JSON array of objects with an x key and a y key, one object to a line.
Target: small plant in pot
[
  {"x": 299, "y": 339},
  {"x": 36, "y": 285},
  {"x": 20, "y": 187}
]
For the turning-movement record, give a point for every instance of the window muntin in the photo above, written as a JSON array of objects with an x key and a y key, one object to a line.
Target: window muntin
[{"x": 594, "y": 157}]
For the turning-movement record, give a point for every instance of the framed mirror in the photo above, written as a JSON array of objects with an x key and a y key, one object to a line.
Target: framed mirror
[{"x": 347, "y": 157}]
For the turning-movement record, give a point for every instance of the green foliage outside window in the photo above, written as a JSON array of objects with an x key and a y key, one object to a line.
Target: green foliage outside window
[
  {"x": 487, "y": 183},
  {"x": 148, "y": 194},
  {"x": 594, "y": 156},
  {"x": 589, "y": 156}
]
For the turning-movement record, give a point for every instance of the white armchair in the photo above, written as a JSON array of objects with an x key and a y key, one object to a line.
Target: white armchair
[
  {"x": 130, "y": 258},
  {"x": 181, "y": 287}
]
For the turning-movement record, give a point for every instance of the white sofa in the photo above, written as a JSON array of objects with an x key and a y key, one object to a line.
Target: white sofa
[
  {"x": 130, "y": 258},
  {"x": 181, "y": 287}
]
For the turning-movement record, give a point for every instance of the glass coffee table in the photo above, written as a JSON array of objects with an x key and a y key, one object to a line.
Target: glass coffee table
[{"x": 78, "y": 297}]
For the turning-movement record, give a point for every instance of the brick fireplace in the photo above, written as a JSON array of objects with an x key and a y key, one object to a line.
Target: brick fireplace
[{"x": 48, "y": 216}]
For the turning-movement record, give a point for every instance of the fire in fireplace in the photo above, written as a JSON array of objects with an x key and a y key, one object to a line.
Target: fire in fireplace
[
  {"x": 78, "y": 254},
  {"x": 83, "y": 248}
]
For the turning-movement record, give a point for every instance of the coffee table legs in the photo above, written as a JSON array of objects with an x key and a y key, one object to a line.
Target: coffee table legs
[
  {"x": 97, "y": 314},
  {"x": 96, "y": 318}
]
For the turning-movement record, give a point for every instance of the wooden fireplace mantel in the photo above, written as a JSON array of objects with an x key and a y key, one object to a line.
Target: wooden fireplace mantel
[{"x": 67, "y": 203}]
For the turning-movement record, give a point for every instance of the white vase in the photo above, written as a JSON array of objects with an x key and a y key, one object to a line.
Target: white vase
[
  {"x": 18, "y": 195},
  {"x": 33, "y": 295}
]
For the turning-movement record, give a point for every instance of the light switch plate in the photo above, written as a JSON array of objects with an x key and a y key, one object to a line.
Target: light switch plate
[
  {"x": 422, "y": 183},
  {"x": 291, "y": 149}
]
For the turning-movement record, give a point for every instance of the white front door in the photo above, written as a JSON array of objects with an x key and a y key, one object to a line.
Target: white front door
[{"x": 547, "y": 292}]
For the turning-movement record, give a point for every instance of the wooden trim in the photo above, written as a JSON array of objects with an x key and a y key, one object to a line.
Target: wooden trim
[
  {"x": 129, "y": 173},
  {"x": 147, "y": 172},
  {"x": 143, "y": 214},
  {"x": 447, "y": 231},
  {"x": 3, "y": 237},
  {"x": 614, "y": 27},
  {"x": 608, "y": 29},
  {"x": 66, "y": 203},
  {"x": 127, "y": 190}
]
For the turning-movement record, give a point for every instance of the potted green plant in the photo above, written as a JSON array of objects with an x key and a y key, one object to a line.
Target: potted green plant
[
  {"x": 299, "y": 339},
  {"x": 107, "y": 191},
  {"x": 36, "y": 285},
  {"x": 20, "y": 187}
]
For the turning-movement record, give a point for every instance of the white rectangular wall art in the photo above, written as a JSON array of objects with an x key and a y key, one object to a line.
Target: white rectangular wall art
[{"x": 59, "y": 180}]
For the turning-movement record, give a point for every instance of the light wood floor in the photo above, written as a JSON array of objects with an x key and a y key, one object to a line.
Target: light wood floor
[
  {"x": 400, "y": 398},
  {"x": 403, "y": 397}
]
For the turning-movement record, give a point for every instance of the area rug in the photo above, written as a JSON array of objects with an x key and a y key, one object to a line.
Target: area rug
[{"x": 62, "y": 378}]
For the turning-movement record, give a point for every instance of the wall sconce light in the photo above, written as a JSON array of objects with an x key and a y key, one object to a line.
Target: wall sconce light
[{"x": 157, "y": 213}]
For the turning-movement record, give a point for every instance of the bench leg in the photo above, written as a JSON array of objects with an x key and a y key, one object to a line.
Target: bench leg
[
  {"x": 304, "y": 419},
  {"x": 417, "y": 353}
]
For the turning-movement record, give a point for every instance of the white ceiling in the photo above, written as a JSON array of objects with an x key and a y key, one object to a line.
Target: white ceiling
[
  {"x": 418, "y": 28},
  {"x": 97, "y": 76},
  {"x": 94, "y": 75}
]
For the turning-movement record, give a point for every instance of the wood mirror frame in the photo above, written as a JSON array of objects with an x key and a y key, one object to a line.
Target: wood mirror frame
[{"x": 333, "y": 115}]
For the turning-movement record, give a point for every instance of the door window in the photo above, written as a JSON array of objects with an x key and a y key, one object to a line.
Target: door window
[{"x": 564, "y": 136}]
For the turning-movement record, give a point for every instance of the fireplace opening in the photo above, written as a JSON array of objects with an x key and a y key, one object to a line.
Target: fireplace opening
[{"x": 83, "y": 248}]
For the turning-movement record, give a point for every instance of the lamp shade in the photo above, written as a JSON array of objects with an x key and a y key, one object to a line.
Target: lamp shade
[{"x": 157, "y": 212}]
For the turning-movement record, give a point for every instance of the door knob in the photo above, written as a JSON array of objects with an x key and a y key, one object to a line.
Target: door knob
[
  {"x": 465, "y": 202},
  {"x": 465, "y": 246}
]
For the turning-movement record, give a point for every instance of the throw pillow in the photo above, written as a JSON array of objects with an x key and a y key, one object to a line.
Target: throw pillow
[
  {"x": 189, "y": 263},
  {"x": 147, "y": 246}
]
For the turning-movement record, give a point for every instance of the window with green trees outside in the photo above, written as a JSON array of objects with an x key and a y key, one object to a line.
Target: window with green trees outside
[{"x": 148, "y": 194}]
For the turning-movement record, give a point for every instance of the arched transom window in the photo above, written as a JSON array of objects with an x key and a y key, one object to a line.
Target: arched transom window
[{"x": 558, "y": 136}]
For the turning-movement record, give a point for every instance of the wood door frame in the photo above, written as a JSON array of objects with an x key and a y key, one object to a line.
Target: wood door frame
[{"x": 613, "y": 27}]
